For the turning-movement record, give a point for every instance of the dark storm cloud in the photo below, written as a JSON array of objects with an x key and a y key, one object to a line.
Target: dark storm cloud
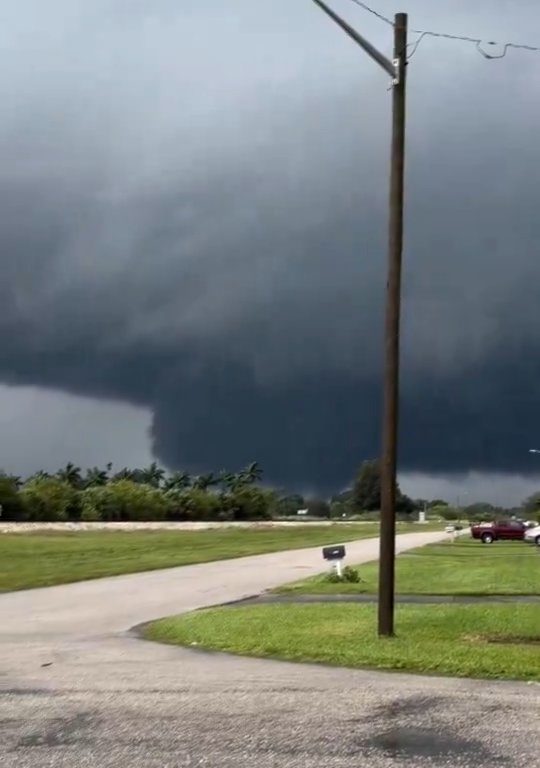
[{"x": 194, "y": 220}]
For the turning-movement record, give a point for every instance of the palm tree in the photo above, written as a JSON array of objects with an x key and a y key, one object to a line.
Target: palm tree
[
  {"x": 125, "y": 474},
  {"x": 152, "y": 475},
  {"x": 204, "y": 482},
  {"x": 252, "y": 473},
  {"x": 95, "y": 477},
  {"x": 70, "y": 474},
  {"x": 177, "y": 481},
  {"x": 39, "y": 475},
  {"x": 232, "y": 481},
  {"x": 14, "y": 480}
]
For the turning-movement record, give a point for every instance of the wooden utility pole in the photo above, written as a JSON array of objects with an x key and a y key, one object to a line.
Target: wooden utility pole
[
  {"x": 397, "y": 70},
  {"x": 392, "y": 337}
]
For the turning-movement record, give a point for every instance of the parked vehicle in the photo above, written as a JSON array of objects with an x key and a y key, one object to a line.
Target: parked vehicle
[
  {"x": 532, "y": 535},
  {"x": 502, "y": 530}
]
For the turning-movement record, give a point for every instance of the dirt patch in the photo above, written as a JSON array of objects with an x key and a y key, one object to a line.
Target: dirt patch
[{"x": 409, "y": 745}]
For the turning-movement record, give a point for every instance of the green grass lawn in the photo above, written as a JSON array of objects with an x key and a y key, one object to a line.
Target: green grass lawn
[
  {"x": 466, "y": 567},
  {"x": 496, "y": 641},
  {"x": 44, "y": 559}
]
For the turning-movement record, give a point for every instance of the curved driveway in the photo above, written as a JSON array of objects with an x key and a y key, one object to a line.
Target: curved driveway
[{"x": 78, "y": 690}]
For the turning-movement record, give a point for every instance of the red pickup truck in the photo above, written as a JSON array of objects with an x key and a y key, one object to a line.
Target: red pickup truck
[{"x": 506, "y": 530}]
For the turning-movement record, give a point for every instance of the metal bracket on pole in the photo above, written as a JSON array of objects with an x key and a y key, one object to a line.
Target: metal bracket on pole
[{"x": 397, "y": 69}]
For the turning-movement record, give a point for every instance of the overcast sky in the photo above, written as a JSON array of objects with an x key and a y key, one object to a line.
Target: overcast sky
[{"x": 194, "y": 216}]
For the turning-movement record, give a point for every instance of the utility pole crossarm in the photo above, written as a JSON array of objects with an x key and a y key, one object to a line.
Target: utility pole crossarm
[{"x": 376, "y": 55}]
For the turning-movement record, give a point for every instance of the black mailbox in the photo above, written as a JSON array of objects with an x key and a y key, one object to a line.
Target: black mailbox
[{"x": 334, "y": 553}]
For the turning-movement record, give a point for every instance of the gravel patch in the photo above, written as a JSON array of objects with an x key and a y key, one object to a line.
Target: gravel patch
[{"x": 169, "y": 526}]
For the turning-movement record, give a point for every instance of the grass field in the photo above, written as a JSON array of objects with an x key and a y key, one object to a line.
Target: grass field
[
  {"x": 465, "y": 567},
  {"x": 497, "y": 641},
  {"x": 38, "y": 560}
]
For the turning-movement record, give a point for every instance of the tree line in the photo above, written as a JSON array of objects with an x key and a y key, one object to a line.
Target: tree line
[
  {"x": 365, "y": 495},
  {"x": 150, "y": 493},
  {"x": 135, "y": 494}
]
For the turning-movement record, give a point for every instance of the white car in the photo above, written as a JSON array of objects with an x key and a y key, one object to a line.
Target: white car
[{"x": 532, "y": 535}]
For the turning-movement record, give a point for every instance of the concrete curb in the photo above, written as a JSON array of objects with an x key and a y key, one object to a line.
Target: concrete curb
[{"x": 266, "y": 599}]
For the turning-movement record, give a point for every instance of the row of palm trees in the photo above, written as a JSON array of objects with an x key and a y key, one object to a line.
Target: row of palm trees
[{"x": 155, "y": 476}]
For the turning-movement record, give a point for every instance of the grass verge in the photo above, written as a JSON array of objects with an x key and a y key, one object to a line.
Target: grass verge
[
  {"x": 45, "y": 559},
  {"x": 463, "y": 641},
  {"x": 466, "y": 567}
]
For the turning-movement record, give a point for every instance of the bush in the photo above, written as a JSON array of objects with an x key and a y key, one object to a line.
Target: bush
[
  {"x": 193, "y": 504},
  {"x": 10, "y": 499},
  {"x": 123, "y": 500},
  {"x": 341, "y": 509},
  {"x": 90, "y": 513},
  {"x": 101, "y": 503},
  {"x": 349, "y": 575},
  {"x": 249, "y": 503},
  {"x": 449, "y": 514},
  {"x": 49, "y": 500},
  {"x": 288, "y": 506},
  {"x": 481, "y": 512},
  {"x": 318, "y": 508},
  {"x": 367, "y": 517}
]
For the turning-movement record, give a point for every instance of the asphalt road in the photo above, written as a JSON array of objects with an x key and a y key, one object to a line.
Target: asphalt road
[{"x": 77, "y": 690}]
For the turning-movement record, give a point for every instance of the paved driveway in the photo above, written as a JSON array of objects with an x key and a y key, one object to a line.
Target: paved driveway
[{"x": 77, "y": 690}]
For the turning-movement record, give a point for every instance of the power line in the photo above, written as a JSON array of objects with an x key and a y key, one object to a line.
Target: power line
[
  {"x": 373, "y": 11},
  {"x": 480, "y": 43}
]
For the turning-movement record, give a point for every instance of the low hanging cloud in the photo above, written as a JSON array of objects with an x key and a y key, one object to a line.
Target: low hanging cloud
[{"x": 194, "y": 221}]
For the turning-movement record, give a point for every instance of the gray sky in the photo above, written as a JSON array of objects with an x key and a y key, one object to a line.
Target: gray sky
[
  {"x": 194, "y": 221},
  {"x": 92, "y": 432},
  {"x": 45, "y": 430}
]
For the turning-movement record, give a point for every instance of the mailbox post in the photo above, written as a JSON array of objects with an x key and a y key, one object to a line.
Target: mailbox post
[{"x": 335, "y": 555}]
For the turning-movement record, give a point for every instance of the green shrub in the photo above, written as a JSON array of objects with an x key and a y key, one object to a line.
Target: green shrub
[
  {"x": 90, "y": 512},
  {"x": 49, "y": 499},
  {"x": 340, "y": 509},
  {"x": 349, "y": 575},
  {"x": 10, "y": 499},
  {"x": 288, "y": 506},
  {"x": 368, "y": 517},
  {"x": 449, "y": 513},
  {"x": 123, "y": 500},
  {"x": 100, "y": 503},
  {"x": 249, "y": 503},
  {"x": 246, "y": 503},
  {"x": 193, "y": 504},
  {"x": 318, "y": 508},
  {"x": 176, "y": 504}
]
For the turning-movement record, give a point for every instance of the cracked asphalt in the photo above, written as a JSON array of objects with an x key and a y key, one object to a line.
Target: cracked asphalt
[{"x": 78, "y": 689}]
